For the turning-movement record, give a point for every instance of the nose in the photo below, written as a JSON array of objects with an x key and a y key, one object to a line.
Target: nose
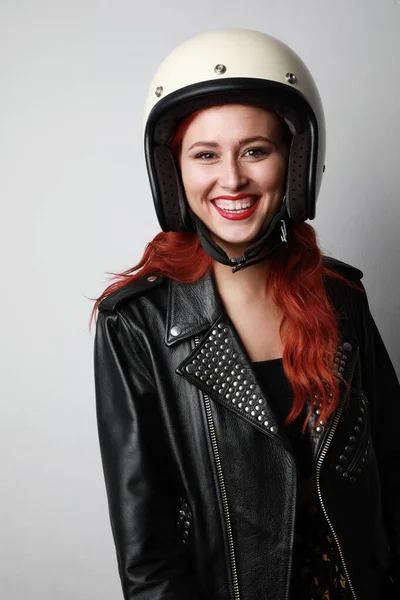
[{"x": 232, "y": 175}]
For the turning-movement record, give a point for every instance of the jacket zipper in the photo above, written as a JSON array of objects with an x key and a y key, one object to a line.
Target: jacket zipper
[
  {"x": 317, "y": 478},
  {"x": 222, "y": 488}
]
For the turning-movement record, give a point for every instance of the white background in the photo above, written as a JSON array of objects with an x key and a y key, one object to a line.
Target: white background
[{"x": 75, "y": 203}]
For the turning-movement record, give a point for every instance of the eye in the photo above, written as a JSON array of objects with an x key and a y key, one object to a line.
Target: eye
[
  {"x": 205, "y": 155},
  {"x": 257, "y": 152}
]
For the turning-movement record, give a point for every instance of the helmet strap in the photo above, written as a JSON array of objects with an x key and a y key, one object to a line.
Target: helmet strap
[{"x": 262, "y": 248}]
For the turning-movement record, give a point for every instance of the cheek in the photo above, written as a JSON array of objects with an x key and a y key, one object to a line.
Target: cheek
[
  {"x": 196, "y": 182},
  {"x": 274, "y": 177}
]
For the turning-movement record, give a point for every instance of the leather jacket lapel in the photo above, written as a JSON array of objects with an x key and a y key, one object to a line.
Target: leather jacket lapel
[
  {"x": 219, "y": 364},
  {"x": 345, "y": 362},
  {"x": 220, "y": 367}
]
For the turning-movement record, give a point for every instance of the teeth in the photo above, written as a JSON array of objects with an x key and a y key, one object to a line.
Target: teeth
[{"x": 233, "y": 205}]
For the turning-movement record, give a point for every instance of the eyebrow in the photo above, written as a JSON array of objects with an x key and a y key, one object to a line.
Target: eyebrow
[{"x": 257, "y": 138}]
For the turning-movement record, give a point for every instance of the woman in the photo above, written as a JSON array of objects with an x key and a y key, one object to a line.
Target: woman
[{"x": 246, "y": 404}]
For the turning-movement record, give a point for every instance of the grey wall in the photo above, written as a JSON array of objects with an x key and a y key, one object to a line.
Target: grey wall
[{"x": 76, "y": 203}]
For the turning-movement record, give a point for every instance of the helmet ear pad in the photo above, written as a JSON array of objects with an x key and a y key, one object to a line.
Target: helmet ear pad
[
  {"x": 172, "y": 211},
  {"x": 298, "y": 180}
]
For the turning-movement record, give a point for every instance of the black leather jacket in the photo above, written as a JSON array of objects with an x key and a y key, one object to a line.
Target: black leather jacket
[{"x": 200, "y": 476}]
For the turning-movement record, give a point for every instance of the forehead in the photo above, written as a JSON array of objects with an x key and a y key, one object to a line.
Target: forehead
[{"x": 232, "y": 120}]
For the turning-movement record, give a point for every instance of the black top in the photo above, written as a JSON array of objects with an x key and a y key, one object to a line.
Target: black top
[{"x": 277, "y": 389}]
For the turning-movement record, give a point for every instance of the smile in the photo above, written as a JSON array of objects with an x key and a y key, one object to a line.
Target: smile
[{"x": 238, "y": 209}]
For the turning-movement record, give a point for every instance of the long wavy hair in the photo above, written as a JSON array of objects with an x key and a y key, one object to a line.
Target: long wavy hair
[{"x": 296, "y": 281}]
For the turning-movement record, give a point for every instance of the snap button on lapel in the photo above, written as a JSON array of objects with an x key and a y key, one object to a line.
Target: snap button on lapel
[{"x": 175, "y": 331}]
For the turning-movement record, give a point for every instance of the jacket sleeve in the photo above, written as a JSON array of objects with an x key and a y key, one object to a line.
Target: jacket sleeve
[
  {"x": 142, "y": 496},
  {"x": 382, "y": 388}
]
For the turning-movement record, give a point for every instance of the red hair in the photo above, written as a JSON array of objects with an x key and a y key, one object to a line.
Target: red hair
[{"x": 309, "y": 327}]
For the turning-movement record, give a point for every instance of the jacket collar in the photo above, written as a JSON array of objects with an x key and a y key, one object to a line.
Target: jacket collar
[{"x": 192, "y": 308}]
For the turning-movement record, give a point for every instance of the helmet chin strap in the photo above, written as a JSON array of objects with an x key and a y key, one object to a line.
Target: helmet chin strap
[{"x": 256, "y": 252}]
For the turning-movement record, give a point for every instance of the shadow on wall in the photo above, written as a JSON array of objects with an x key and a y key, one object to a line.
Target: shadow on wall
[{"x": 382, "y": 273}]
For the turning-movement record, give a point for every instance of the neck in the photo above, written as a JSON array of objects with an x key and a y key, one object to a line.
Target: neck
[{"x": 249, "y": 284}]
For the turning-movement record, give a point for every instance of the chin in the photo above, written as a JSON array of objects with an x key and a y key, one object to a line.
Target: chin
[{"x": 234, "y": 246}]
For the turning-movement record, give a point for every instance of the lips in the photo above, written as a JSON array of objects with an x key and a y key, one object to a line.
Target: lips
[{"x": 236, "y": 208}]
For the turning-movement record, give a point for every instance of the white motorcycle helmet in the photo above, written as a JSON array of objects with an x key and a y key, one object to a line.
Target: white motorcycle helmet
[{"x": 234, "y": 66}]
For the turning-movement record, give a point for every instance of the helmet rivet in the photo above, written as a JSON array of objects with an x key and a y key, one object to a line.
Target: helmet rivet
[
  {"x": 220, "y": 69},
  {"x": 159, "y": 91},
  {"x": 291, "y": 77}
]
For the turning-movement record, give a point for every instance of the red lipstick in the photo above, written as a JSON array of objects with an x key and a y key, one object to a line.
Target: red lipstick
[{"x": 241, "y": 214}]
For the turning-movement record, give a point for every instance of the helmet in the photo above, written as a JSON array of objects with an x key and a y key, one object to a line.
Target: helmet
[{"x": 233, "y": 66}]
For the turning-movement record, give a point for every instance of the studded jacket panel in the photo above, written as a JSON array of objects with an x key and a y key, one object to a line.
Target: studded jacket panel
[{"x": 200, "y": 477}]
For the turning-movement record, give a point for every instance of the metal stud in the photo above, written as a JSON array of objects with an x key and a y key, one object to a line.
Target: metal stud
[
  {"x": 291, "y": 78},
  {"x": 175, "y": 331},
  {"x": 266, "y": 423},
  {"x": 158, "y": 91},
  {"x": 152, "y": 278},
  {"x": 220, "y": 69},
  {"x": 347, "y": 347},
  {"x": 273, "y": 429}
]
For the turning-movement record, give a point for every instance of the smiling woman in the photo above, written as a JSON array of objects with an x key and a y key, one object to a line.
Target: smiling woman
[
  {"x": 233, "y": 162},
  {"x": 247, "y": 408}
]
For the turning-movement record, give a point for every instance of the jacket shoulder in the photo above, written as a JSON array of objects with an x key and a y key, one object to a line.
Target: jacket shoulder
[
  {"x": 342, "y": 268},
  {"x": 139, "y": 287}
]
